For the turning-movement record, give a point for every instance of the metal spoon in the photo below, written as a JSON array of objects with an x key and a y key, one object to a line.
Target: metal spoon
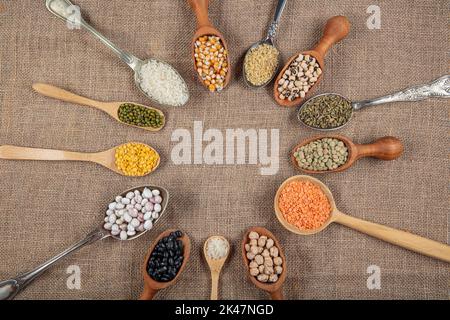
[
  {"x": 63, "y": 10},
  {"x": 438, "y": 88},
  {"x": 271, "y": 33},
  {"x": 10, "y": 288}
]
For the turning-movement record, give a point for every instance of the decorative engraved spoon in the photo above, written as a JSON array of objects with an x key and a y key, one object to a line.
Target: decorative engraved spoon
[{"x": 438, "y": 88}]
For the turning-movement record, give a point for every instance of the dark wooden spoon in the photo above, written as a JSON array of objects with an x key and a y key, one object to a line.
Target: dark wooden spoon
[
  {"x": 385, "y": 148},
  {"x": 205, "y": 28},
  {"x": 274, "y": 289},
  {"x": 151, "y": 287},
  {"x": 336, "y": 29}
]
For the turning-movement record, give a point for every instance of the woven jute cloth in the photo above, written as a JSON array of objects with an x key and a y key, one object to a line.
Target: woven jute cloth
[{"x": 45, "y": 207}]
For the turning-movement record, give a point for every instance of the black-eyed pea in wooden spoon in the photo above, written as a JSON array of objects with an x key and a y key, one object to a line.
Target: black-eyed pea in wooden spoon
[
  {"x": 385, "y": 148},
  {"x": 111, "y": 108}
]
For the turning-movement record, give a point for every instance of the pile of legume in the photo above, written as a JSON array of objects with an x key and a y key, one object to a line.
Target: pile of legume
[
  {"x": 211, "y": 61},
  {"x": 167, "y": 257},
  {"x": 136, "y": 212},
  {"x": 326, "y": 111},
  {"x": 298, "y": 78},
  {"x": 304, "y": 205},
  {"x": 136, "y": 159},
  {"x": 265, "y": 263},
  {"x": 261, "y": 63},
  {"x": 140, "y": 116},
  {"x": 322, "y": 154}
]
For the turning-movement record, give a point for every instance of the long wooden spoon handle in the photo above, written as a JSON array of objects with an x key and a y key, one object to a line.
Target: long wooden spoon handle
[
  {"x": 336, "y": 29},
  {"x": 148, "y": 293},
  {"x": 400, "y": 238},
  {"x": 214, "y": 285},
  {"x": 64, "y": 95},
  {"x": 277, "y": 295},
  {"x": 23, "y": 153},
  {"x": 386, "y": 148},
  {"x": 200, "y": 8}
]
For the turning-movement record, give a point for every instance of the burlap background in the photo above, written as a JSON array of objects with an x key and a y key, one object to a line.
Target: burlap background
[{"x": 45, "y": 207}]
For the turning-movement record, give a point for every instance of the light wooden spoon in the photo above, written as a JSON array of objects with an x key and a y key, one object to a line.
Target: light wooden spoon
[
  {"x": 336, "y": 29},
  {"x": 111, "y": 108},
  {"x": 400, "y": 238},
  {"x": 215, "y": 265},
  {"x": 104, "y": 158},
  {"x": 274, "y": 289},
  {"x": 151, "y": 287},
  {"x": 205, "y": 28},
  {"x": 385, "y": 148}
]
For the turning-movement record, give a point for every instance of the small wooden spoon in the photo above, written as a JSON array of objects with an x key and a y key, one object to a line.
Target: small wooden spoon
[
  {"x": 336, "y": 29},
  {"x": 205, "y": 28},
  {"x": 111, "y": 108},
  {"x": 151, "y": 287},
  {"x": 385, "y": 148},
  {"x": 215, "y": 266},
  {"x": 400, "y": 238},
  {"x": 105, "y": 158},
  {"x": 274, "y": 289}
]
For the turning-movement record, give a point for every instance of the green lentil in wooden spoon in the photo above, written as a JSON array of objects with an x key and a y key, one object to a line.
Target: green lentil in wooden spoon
[{"x": 140, "y": 116}]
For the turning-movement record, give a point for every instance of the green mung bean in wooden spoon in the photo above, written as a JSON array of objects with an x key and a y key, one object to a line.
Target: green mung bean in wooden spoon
[
  {"x": 331, "y": 111},
  {"x": 132, "y": 114}
]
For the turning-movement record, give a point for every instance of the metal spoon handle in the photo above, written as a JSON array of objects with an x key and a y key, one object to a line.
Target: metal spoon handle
[
  {"x": 438, "y": 88},
  {"x": 10, "y": 288},
  {"x": 126, "y": 57},
  {"x": 272, "y": 32}
]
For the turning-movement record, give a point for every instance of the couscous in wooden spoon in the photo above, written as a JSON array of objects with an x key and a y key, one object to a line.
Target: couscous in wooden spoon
[
  {"x": 385, "y": 148},
  {"x": 205, "y": 28},
  {"x": 336, "y": 29},
  {"x": 104, "y": 158},
  {"x": 400, "y": 238},
  {"x": 111, "y": 108}
]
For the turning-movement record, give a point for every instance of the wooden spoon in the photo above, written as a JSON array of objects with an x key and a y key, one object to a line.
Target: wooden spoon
[
  {"x": 151, "y": 287},
  {"x": 385, "y": 148},
  {"x": 336, "y": 29},
  {"x": 215, "y": 265},
  {"x": 205, "y": 28},
  {"x": 400, "y": 238},
  {"x": 105, "y": 158},
  {"x": 111, "y": 108},
  {"x": 274, "y": 289}
]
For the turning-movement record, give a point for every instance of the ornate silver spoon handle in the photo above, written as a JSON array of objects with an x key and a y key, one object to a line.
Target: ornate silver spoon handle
[
  {"x": 66, "y": 11},
  {"x": 10, "y": 288},
  {"x": 439, "y": 88},
  {"x": 272, "y": 32}
]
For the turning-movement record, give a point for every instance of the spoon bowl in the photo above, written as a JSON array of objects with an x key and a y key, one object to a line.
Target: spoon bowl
[
  {"x": 215, "y": 265},
  {"x": 111, "y": 108},
  {"x": 274, "y": 289},
  {"x": 336, "y": 29},
  {"x": 151, "y": 286},
  {"x": 205, "y": 28},
  {"x": 105, "y": 158},
  {"x": 267, "y": 41},
  {"x": 385, "y": 148},
  {"x": 400, "y": 238}
]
